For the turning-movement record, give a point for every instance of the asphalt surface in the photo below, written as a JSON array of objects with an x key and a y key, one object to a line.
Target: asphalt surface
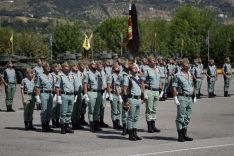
[{"x": 212, "y": 127}]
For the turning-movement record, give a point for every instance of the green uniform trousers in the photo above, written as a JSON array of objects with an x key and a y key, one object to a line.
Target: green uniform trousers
[
  {"x": 211, "y": 84},
  {"x": 184, "y": 112},
  {"x": 198, "y": 85},
  {"x": 133, "y": 113},
  {"x": 46, "y": 106},
  {"x": 151, "y": 104},
  {"x": 124, "y": 116},
  {"x": 10, "y": 92},
  {"x": 116, "y": 108},
  {"x": 55, "y": 111},
  {"x": 163, "y": 81},
  {"x": 83, "y": 107},
  {"x": 103, "y": 105},
  {"x": 95, "y": 101},
  {"x": 76, "y": 113},
  {"x": 227, "y": 81},
  {"x": 29, "y": 104},
  {"x": 66, "y": 108}
]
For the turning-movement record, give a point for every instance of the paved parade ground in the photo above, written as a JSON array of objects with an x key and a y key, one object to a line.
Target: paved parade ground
[{"x": 212, "y": 127}]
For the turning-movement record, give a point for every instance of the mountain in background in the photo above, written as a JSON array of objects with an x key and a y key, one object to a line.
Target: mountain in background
[{"x": 95, "y": 11}]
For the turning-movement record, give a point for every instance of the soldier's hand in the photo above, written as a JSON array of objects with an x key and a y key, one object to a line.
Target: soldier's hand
[
  {"x": 55, "y": 99},
  {"x": 120, "y": 99},
  {"x": 142, "y": 101},
  {"x": 195, "y": 100},
  {"x": 176, "y": 101},
  {"x": 38, "y": 100},
  {"x": 59, "y": 100}
]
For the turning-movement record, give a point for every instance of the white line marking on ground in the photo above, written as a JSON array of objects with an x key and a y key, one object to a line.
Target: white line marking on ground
[{"x": 181, "y": 150}]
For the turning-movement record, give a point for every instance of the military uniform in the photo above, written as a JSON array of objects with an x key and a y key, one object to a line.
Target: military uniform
[
  {"x": 163, "y": 78},
  {"x": 227, "y": 75},
  {"x": 211, "y": 77},
  {"x": 45, "y": 84},
  {"x": 27, "y": 87},
  {"x": 56, "y": 106},
  {"x": 170, "y": 72},
  {"x": 197, "y": 74},
  {"x": 184, "y": 87},
  {"x": 152, "y": 86},
  {"x": 84, "y": 103},
  {"x": 9, "y": 77},
  {"x": 94, "y": 81}
]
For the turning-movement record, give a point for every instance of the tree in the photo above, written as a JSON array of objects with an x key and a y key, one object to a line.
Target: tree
[{"x": 5, "y": 45}]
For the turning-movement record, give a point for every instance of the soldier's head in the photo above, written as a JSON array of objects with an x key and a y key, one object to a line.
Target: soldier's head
[
  {"x": 199, "y": 60},
  {"x": 93, "y": 66},
  {"x": 145, "y": 61},
  {"x": 74, "y": 66},
  {"x": 100, "y": 65},
  {"x": 133, "y": 68},
  {"x": 46, "y": 67},
  {"x": 9, "y": 64},
  {"x": 227, "y": 60},
  {"x": 65, "y": 68},
  {"x": 59, "y": 67},
  {"x": 196, "y": 62},
  {"x": 39, "y": 62},
  {"x": 116, "y": 68},
  {"x": 29, "y": 73},
  {"x": 185, "y": 64},
  {"x": 125, "y": 64},
  {"x": 55, "y": 67},
  {"x": 152, "y": 61},
  {"x": 211, "y": 62}
]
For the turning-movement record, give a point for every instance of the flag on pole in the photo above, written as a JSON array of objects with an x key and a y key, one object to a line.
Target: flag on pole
[
  {"x": 86, "y": 44},
  {"x": 51, "y": 40},
  {"x": 182, "y": 43},
  {"x": 11, "y": 38},
  {"x": 133, "y": 33}
]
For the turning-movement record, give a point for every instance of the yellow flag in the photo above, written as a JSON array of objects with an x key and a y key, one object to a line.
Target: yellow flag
[
  {"x": 86, "y": 44},
  {"x": 11, "y": 39}
]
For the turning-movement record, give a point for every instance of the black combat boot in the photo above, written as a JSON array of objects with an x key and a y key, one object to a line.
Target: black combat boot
[
  {"x": 10, "y": 109},
  {"x": 26, "y": 125},
  {"x": 48, "y": 129},
  {"x": 68, "y": 129},
  {"x": 30, "y": 126},
  {"x": 185, "y": 136},
  {"x": 102, "y": 123},
  {"x": 131, "y": 135},
  {"x": 198, "y": 96},
  {"x": 82, "y": 121},
  {"x": 97, "y": 126},
  {"x": 214, "y": 94},
  {"x": 116, "y": 124},
  {"x": 54, "y": 123},
  {"x": 155, "y": 129},
  {"x": 62, "y": 129},
  {"x": 92, "y": 128},
  {"x": 124, "y": 132},
  {"x": 43, "y": 126},
  {"x": 135, "y": 134},
  {"x": 225, "y": 94},
  {"x": 150, "y": 130},
  {"x": 180, "y": 136}
]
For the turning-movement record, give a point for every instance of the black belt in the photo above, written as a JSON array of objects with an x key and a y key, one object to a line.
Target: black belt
[
  {"x": 47, "y": 91},
  {"x": 153, "y": 89},
  {"x": 67, "y": 93},
  {"x": 12, "y": 83},
  {"x": 198, "y": 78},
  {"x": 32, "y": 93},
  {"x": 94, "y": 90},
  {"x": 113, "y": 92},
  {"x": 185, "y": 95},
  {"x": 162, "y": 77},
  {"x": 134, "y": 97},
  {"x": 228, "y": 74}
]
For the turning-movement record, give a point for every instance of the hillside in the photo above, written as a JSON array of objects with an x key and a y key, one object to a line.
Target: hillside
[{"x": 98, "y": 10}]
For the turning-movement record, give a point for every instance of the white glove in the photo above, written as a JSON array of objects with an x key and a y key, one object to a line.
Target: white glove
[
  {"x": 195, "y": 100},
  {"x": 107, "y": 95},
  {"x": 75, "y": 99},
  {"x": 55, "y": 98},
  {"x": 161, "y": 94},
  {"x": 146, "y": 96},
  {"x": 59, "y": 100},
  {"x": 86, "y": 98},
  {"x": 176, "y": 101},
  {"x": 38, "y": 100},
  {"x": 111, "y": 97},
  {"x": 120, "y": 99}
]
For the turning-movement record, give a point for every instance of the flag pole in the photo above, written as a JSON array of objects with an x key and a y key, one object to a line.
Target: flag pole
[
  {"x": 12, "y": 44},
  {"x": 208, "y": 45}
]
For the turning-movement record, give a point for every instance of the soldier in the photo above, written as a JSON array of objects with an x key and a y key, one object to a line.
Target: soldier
[
  {"x": 56, "y": 107},
  {"x": 76, "y": 113},
  {"x": 65, "y": 97},
  {"x": 104, "y": 76},
  {"x": 123, "y": 75},
  {"x": 163, "y": 78},
  {"x": 144, "y": 65},
  {"x": 197, "y": 77},
  {"x": 38, "y": 69},
  {"x": 93, "y": 95},
  {"x": 182, "y": 92},
  {"x": 170, "y": 73},
  {"x": 108, "y": 68},
  {"x": 227, "y": 76},
  {"x": 202, "y": 69},
  {"x": 212, "y": 76},
  {"x": 152, "y": 85},
  {"x": 44, "y": 89},
  {"x": 133, "y": 93},
  {"x": 114, "y": 91},
  {"x": 9, "y": 81},
  {"x": 28, "y": 99}
]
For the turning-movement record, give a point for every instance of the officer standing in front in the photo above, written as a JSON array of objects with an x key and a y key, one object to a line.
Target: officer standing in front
[
  {"x": 212, "y": 76},
  {"x": 152, "y": 85},
  {"x": 182, "y": 91},
  {"x": 133, "y": 92},
  {"x": 227, "y": 76},
  {"x": 93, "y": 95},
  {"x": 65, "y": 96},
  {"x": 9, "y": 81},
  {"x": 44, "y": 95}
]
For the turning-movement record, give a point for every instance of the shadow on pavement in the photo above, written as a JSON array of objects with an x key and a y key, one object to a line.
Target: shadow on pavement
[
  {"x": 160, "y": 138},
  {"x": 37, "y": 130},
  {"x": 112, "y": 137}
]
